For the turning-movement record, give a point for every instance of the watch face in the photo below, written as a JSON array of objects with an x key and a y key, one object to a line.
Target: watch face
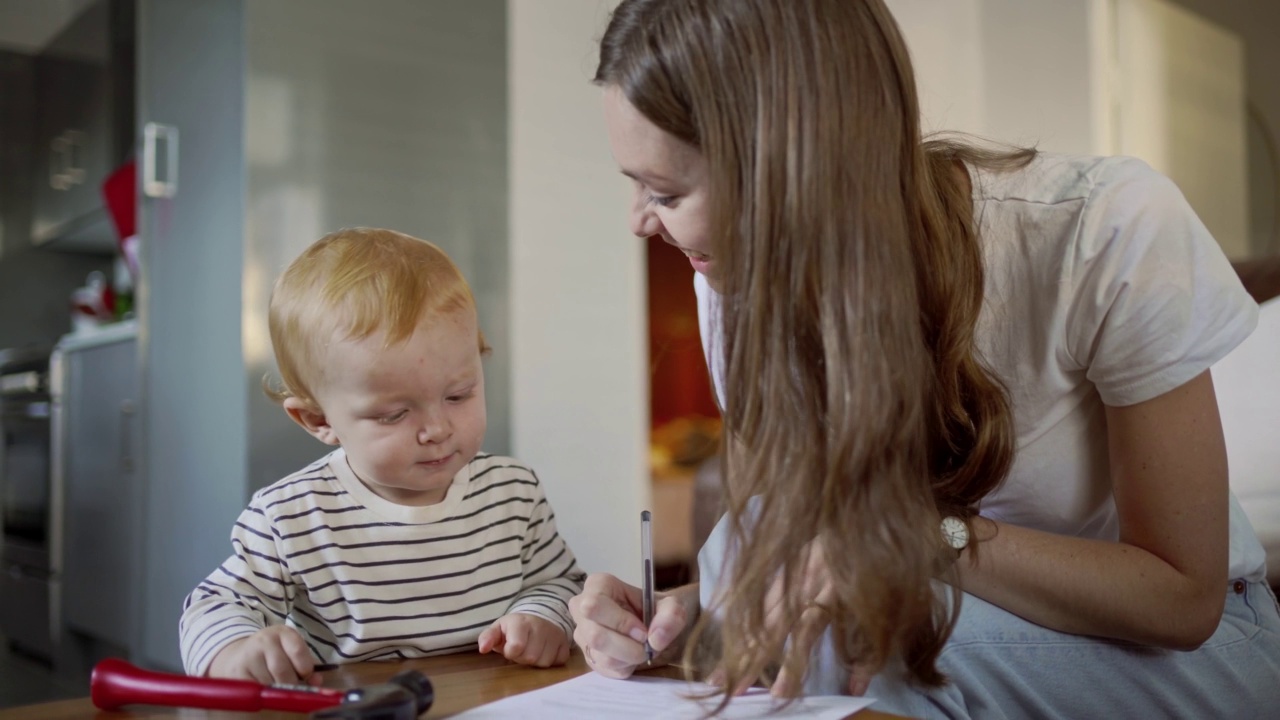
[{"x": 955, "y": 532}]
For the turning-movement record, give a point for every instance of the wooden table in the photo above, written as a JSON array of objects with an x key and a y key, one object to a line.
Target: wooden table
[{"x": 461, "y": 682}]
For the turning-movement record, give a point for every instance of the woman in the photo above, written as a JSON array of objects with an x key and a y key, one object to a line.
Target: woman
[{"x": 907, "y": 336}]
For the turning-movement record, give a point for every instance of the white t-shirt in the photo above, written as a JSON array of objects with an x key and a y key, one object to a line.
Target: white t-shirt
[{"x": 1102, "y": 286}]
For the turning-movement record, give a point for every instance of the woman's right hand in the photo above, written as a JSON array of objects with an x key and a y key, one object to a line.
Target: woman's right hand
[{"x": 609, "y": 628}]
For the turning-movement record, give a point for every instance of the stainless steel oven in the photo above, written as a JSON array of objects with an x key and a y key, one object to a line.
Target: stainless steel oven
[{"x": 28, "y": 574}]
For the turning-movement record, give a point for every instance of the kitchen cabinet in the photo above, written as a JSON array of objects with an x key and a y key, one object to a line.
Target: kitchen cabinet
[
  {"x": 94, "y": 377},
  {"x": 28, "y": 573},
  {"x": 83, "y": 118}
]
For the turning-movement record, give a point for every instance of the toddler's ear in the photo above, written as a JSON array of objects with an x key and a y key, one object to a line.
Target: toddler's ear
[{"x": 310, "y": 418}]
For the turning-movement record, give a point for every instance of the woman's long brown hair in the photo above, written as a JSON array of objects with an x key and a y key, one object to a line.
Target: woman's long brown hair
[{"x": 851, "y": 278}]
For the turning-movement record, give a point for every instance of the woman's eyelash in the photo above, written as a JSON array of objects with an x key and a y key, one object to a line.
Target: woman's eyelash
[{"x": 662, "y": 200}]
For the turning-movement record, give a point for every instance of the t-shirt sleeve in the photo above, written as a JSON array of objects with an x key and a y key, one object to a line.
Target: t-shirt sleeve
[
  {"x": 1153, "y": 300},
  {"x": 551, "y": 573},
  {"x": 251, "y": 590}
]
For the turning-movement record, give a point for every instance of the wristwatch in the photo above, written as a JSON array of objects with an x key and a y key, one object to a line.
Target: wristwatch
[{"x": 956, "y": 533}]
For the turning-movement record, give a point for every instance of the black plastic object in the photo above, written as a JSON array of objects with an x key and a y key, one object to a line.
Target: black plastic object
[{"x": 406, "y": 696}]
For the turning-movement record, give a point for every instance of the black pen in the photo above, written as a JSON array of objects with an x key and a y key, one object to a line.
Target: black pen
[{"x": 646, "y": 571}]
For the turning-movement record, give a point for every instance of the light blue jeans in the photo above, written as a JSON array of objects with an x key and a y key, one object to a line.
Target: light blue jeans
[{"x": 1001, "y": 666}]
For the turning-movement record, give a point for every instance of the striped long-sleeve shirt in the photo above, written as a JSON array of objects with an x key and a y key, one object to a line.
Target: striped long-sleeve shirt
[{"x": 362, "y": 578}]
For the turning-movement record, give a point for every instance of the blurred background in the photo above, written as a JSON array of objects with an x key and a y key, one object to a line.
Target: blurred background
[{"x": 162, "y": 160}]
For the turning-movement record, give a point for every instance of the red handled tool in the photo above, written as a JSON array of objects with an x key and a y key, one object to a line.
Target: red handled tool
[{"x": 116, "y": 683}]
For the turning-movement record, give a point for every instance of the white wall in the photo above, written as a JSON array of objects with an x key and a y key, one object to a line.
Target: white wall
[
  {"x": 1040, "y": 68},
  {"x": 1257, "y": 23},
  {"x": 1018, "y": 71},
  {"x": 944, "y": 39},
  {"x": 1104, "y": 77},
  {"x": 579, "y": 355},
  {"x": 1182, "y": 109}
]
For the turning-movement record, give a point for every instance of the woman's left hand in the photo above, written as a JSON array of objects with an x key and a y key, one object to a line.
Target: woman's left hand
[{"x": 817, "y": 594}]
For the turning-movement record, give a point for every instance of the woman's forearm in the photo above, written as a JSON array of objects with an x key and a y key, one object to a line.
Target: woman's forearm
[{"x": 1090, "y": 587}]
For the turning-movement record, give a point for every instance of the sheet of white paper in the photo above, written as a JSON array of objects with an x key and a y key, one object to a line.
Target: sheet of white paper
[{"x": 594, "y": 696}]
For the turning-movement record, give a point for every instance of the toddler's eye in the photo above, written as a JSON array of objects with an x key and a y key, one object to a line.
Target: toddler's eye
[
  {"x": 662, "y": 200},
  {"x": 392, "y": 418}
]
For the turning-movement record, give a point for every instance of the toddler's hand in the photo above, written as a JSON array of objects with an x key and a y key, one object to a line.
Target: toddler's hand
[
  {"x": 276, "y": 654},
  {"x": 526, "y": 639}
]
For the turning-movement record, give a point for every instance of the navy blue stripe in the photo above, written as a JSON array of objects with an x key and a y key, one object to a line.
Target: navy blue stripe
[
  {"x": 471, "y": 645},
  {"x": 254, "y": 553},
  {"x": 548, "y": 563},
  {"x": 403, "y": 543},
  {"x": 315, "y": 651},
  {"x": 317, "y": 636},
  {"x": 558, "y": 614},
  {"x": 407, "y": 581},
  {"x": 309, "y": 493},
  {"x": 533, "y": 526},
  {"x": 538, "y": 592},
  {"x": 322, "y": 477},
  {"x": 205, "y": 636},
  {"x": 330, "y": 623},
  {"x": 571, "y": 581},
  {"x": 182, "y": 622},
  {"x": 544, "y": 545},
  {"x": 411, "y": 561},
  {"x": 376, "y": 652},
  {"x": 366, "y": 526},
  {"x": 518, "y": 467},
  {"x": 241, "y": 597},
  {"x": 259, "y": 591},
  {"x": 535, "y": 598},
  {"x": 389, "y": 655},
  {"x": 416, "y": 635},
  {"x": 491, "y": 506},
  {"x": 251, "y": 531},
  {"x": 573, "y": 588},
  {"x": 419, "y": 598},
  {"x": 493, "y": 486},
  {"x": 552, "y": 610},
  {"x": 204, "y": 655},
  {"x": 318, "y": 509}
]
